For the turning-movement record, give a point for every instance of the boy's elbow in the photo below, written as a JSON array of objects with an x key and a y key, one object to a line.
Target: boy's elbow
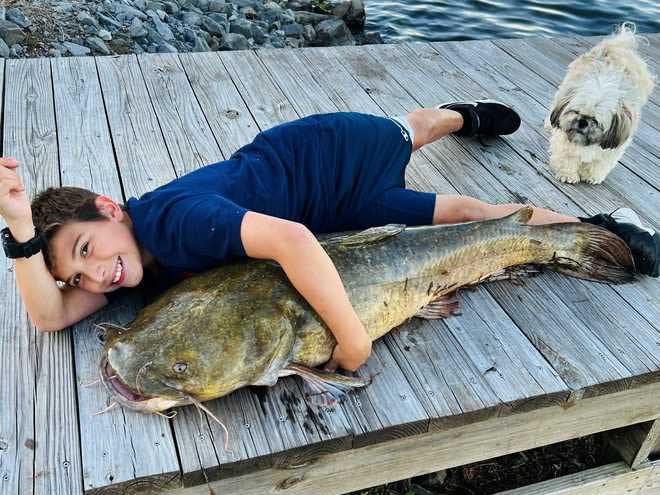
[{"x": 45, "y": 326}]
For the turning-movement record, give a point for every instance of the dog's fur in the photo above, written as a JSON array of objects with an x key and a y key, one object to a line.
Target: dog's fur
[{"x": 597, "y": 108}]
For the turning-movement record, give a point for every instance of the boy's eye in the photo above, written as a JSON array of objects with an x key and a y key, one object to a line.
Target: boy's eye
[
  {"x": 75, "y": 281},
  {"x": 83, "y": 249}
]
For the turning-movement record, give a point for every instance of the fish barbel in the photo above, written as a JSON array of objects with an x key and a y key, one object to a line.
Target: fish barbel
[{"x": 245, "y": 324}]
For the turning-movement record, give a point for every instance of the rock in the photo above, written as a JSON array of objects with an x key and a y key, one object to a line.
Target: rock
[
  {"x": 108, "y": 21},
  {"x": 98, "y": 45},
  {"x": 355, "y": 16},
  {"x": 220, "y": 18},
  {"x": 130, "y": 12},
  {"x": 234, "y": 41},
  {"x": 192, "y": 19},
  {"x": 309, "y": 33},
  {"x": 137, "y": 29},
  {"x": 258, "y": 34},
  {"x": 11, "y": 33},
  {"x": 18, "y": 18},
  {"x": 64, "y": 7},
  {"x": 333, "y": 32},
  {"x": 166, "y": 48},
  {"x": 313, "y": 18},
  {"x": 241, "y": 26},
  {"x": 155, "y": 6},
  {"x": 75, "y": 49},
  {"x": 4, "y": 49},
  {"x": 3, "y": 13},
  {"x": 217, "y": 6},
  {"x": 104, "y": 35},
  {"x": 87, "y": 20},
  {"x": 293, "y": 29},
  {"x": 203, "y": 5},
  {"x": 249, "y": 13},
  {"x": 17, "y": 51},
  {"x": 54, "y": 52},
  {"x": 161, "y": 28},
  {"x": 212, "y": 27},
  {"x": 200, "y": 45},
  {"x": 171, "y": 8}
]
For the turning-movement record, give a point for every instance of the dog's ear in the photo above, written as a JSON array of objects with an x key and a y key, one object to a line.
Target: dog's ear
[
  {"x": 561, "y": 100},
  {"x": 620, "y": 129}
]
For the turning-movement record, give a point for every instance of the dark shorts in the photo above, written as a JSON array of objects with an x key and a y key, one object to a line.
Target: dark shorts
[{"x": 367, "y": 156}]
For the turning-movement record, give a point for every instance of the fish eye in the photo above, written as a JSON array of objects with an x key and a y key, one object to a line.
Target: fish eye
[{"x": 180, "y": 367}]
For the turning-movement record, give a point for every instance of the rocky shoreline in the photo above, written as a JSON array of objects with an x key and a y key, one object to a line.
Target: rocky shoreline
[{"x": 41, "y": 28}]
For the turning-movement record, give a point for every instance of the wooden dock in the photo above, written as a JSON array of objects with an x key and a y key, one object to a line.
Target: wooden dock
[{"x": 524, "y": 365}]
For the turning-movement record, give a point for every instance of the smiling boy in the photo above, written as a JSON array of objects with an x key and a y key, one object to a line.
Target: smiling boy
[{"x": 323, "y": 173}]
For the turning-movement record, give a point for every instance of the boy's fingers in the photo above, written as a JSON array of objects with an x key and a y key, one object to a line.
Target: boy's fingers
[
  {"x": 9, "y": 162},
  {"x": 331, "y": 366}
]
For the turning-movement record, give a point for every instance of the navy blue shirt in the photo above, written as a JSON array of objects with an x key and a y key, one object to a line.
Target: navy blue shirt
[{"x": 317, "y": 171}]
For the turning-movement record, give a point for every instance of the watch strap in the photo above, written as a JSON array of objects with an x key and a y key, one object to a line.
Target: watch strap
[{"x": 15, "y": 249}]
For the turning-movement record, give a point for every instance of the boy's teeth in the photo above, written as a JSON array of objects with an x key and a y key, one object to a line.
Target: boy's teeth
[{"x": 118, "y": 272}]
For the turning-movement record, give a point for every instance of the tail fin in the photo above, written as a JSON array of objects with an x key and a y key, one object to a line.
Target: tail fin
[{"x": 601, "y": 256}]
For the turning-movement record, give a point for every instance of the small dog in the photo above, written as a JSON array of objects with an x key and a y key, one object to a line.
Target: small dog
[{"x": 597, "y": 108}]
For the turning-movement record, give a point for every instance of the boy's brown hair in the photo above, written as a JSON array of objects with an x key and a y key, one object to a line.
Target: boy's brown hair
[{"x": 57, "y": 206}]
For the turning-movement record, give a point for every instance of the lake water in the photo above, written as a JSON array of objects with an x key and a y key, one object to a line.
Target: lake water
[{"x": 434, "y": 20}]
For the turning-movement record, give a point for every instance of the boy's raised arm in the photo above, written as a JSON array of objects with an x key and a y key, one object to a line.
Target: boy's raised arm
[
  {"x": 49, "y": 307},
  {"x": 313, "y": 274}
]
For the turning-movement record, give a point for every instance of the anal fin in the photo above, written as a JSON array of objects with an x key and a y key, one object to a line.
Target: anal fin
[{"x": 443, "y": 307}]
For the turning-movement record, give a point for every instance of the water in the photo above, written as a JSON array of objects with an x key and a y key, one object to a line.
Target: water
[{"x": 435, "y": 20}]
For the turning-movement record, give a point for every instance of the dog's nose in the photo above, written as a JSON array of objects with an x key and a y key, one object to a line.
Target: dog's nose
[{"x": 582, "y": 123}]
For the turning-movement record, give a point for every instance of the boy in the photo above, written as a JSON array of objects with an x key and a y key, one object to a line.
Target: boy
[{"x": 323, "y": 173}]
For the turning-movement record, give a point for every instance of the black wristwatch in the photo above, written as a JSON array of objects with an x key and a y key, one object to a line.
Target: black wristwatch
[{"x": 14, "y": 249}]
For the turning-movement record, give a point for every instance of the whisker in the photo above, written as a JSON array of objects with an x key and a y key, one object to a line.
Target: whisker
[
  {"x": 111, "y": 406},
  {"x": 200, "y": 407},
  {"x": 91, "y": 384},
  {"x": 169, "y": 415}
]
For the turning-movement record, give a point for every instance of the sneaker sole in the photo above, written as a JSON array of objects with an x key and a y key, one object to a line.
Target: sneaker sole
[{"x": 439, "y": 107}]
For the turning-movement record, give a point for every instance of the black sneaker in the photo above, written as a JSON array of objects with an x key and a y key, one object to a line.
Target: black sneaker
[
  {"x": 644, "y": 243},
  {"x": 484, "y": 118}
]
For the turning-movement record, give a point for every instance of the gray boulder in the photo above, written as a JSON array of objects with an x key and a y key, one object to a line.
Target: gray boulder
[
  {"x": 104, "y": 34},
  {"x": 137, "y": 29},
  {"x": 18, "y": 18},
  {"x": 11, "y": 33},
  {"x": 108, "y": 21},
  {"x": 241, "y": 26},
  {"x": 87, "y": 20},
  {"x": 192, "y": 19},
  {"x": 333, "y": 32},
  {"x": 217, "y": 6},
  {"x": 234, "y": 41},
  {"x": 313, "y": 18},
  {"x": 212, "y": 27},
  {"x": 98, "y": 45},
  {"x": 200, "y": 45},
  {"x": 166, "y": 48},
  {"x": 75, "y": 49},
  {"x": 293, "y": 29},
  {"x": 4, "y": 49}
]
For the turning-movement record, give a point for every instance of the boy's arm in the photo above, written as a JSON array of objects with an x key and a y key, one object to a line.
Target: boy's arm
[
  {"x": 313, "y": 274},
  {"x": 49, "y": 307}
]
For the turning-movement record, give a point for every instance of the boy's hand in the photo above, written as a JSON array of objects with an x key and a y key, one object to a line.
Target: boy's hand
[
  {"x": 14, "y": 203},
  {"x": 351, "y": 358}
]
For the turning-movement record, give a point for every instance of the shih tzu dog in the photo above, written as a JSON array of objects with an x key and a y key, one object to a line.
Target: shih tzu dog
[{"x": 597, "y": 108}]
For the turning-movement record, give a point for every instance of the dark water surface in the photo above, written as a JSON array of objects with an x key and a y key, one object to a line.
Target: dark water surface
[{"x": 435, "y": 20}]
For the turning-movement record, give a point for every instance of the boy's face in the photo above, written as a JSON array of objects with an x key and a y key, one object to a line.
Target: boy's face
[{"x": 98, "y": 256}]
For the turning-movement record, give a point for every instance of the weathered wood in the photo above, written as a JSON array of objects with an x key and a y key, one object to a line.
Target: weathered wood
[
  {"x": 652, "y": 436},
  {"x": 225, "y": 110},
  {"x": 142, "y": 157},
  {"x": 46, "y": 436},
  {"x": 187, "y": 134},
  {"x": 119, "y": 455},
  {"x": 413, "y": 456},
  {"x": 612, "y": 479}
]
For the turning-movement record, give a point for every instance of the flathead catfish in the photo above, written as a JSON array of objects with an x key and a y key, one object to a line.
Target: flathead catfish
[{"x": 245, "y": 324}]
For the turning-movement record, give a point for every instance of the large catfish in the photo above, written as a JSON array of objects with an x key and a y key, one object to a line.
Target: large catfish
[{"x": 245, "y": 324}]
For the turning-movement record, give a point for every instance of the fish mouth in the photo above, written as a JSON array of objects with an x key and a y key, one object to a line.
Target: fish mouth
[
  {"x": 126, "y": 397},
  {"x": 119, "y": 389}
]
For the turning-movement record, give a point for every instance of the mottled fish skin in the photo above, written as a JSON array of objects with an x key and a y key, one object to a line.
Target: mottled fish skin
[{"x": 241, "y": 324}]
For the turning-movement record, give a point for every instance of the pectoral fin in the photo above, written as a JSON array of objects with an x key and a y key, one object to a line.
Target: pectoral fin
[
  {"x": 368, "y": 236},
  {"x": 323, "y": 388}
]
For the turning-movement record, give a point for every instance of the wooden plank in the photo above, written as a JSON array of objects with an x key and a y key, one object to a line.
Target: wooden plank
[
  {"x": 382, "y": 463},
  {"x": 141, "y": 153},
  {"x": 113, "y": 460},
  {"x": 612, "y": 479},
  {"x": 508, "y": 385},
  {"x": 43, "y": 430},
  {"x": 221, "y": 102},
  {"x": 188, "y": 137}
]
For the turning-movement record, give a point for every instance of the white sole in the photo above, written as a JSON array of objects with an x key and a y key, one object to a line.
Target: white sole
[{"x": 438, "y": 107}]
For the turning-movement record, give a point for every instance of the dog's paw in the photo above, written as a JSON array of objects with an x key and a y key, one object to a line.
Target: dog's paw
[
  {"x": 570, "y": 179},
  {"x": 593, "y": 180}
]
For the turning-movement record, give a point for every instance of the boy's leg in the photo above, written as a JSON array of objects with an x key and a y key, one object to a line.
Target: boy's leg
[
  {"x": 480, "y": 118},
  {"x": 457, "y": 209}
]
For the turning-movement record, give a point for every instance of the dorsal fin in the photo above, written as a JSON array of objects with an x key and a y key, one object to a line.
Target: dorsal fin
[{"x": 368, "y": 236}]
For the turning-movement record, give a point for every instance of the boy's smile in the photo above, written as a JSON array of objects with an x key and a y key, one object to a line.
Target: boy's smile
[{"x": 98, "y": 256}]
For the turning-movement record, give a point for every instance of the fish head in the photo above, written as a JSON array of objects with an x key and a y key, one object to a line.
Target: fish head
[{"x": 166, "y": 358}]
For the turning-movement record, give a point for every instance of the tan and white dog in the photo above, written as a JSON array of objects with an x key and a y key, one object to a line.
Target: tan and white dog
[{"x": 597, "y": 108}]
